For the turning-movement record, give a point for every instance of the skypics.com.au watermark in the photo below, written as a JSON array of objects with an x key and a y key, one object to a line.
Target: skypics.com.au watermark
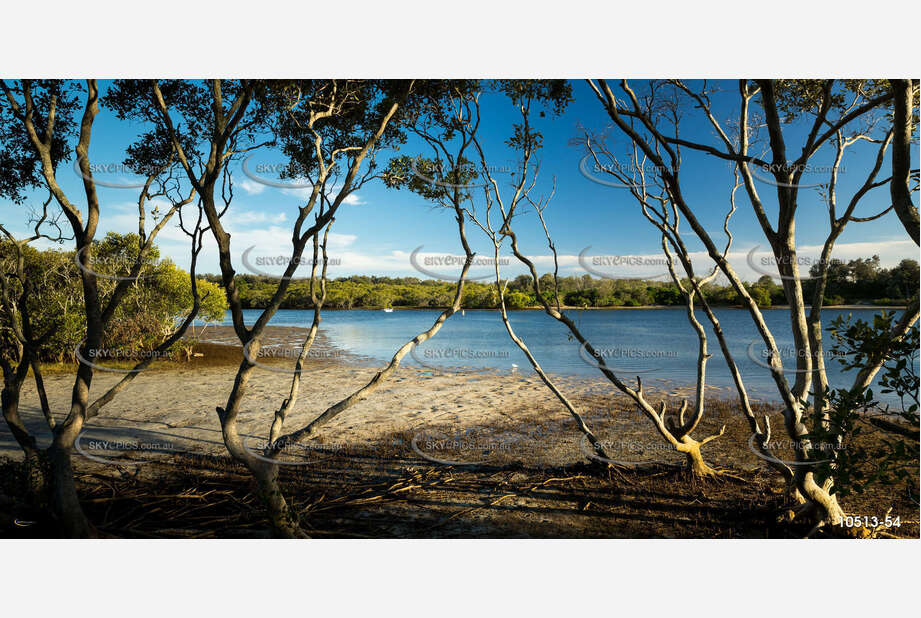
[
  {"x": 256, "y": 264},
  {"x": 119, "y": 451},
  {"x": 257, "y": 173},
  {"x": 470, "y": 447},
  {"x": 618, "y": 266},
  {"x": 116, "y": 175},
  {"x": 631, "y": 175},
  {"x": 424, "y": 263},
  {"x": 625, "y": 360},
  {"x": 437, "y": 173},
  {"x": 763, "y": 263},
  {"x": 825, "y": 450},
  {"x": 625, "y": 452},
  {"x": 810, "y": 175},
  {"x": 294, "y": 453},
  {"x": 289, "y": 353},
  {"x": 445, "y": 359},
  {"x": 763, "y": 357},
  {"x": 612, "y": 174},
  {"x": 117, "y": 267},
  {"x": 93, "y": 357}
]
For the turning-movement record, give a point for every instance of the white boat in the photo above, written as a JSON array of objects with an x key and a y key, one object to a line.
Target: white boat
[{"x": 388, "y": 310}]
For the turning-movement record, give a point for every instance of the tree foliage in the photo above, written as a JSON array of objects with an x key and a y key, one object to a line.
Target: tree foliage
[{"x": 161, "y": 294}]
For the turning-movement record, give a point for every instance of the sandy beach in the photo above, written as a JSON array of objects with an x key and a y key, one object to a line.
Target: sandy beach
[
  {"x": 173, "y": 409},
  {"x": 487, "y": 454}
]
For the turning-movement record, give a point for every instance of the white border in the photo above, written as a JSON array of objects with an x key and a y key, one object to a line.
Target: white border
[
  {"x": 468, "y": 579},
  {"x": 482, "y": 38}
]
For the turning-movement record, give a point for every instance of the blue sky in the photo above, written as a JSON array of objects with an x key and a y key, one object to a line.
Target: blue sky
[{"x": 378, "y": 228}]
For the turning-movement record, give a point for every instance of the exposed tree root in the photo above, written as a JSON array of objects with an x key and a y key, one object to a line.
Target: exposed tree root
[
  {"x": 719, "y": 474},
  {"x": 695, "y": 465},
  {"x": 816, "y": 515}
]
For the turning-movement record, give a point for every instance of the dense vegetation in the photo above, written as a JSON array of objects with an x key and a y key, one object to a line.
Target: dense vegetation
[
  {"x": 861, "y": 280},
  {"x": 161, "y": 294}
]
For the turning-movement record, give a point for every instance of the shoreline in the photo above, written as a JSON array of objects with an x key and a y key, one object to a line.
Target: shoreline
[
  {"x": 325, "y": 351},
  {"x": 577, "y": 308},
  {"x": 175, "y": 401},
  {"x": 177, "y": 398},
  {"x": 466, "y": 433}
]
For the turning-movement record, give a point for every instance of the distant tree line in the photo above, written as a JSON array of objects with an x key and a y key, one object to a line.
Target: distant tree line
[
  {"x": 864, "y": 279},
  {"x": 857, "y": 281}
]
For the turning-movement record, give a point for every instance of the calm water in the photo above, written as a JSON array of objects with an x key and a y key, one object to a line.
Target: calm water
[{"x": 657, "y": 344}]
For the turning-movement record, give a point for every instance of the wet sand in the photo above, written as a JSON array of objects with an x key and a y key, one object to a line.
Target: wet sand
[{"x": 173, "y": 409}]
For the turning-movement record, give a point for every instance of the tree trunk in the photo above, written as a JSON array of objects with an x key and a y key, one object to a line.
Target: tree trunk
[
  {"x": 35, "y": 464},
  {"x": 283, "y": 525},
  {"x": 65, "y": 506},
  {"x": 36, "y": 477},
  {"x": 899, "y": 188}
]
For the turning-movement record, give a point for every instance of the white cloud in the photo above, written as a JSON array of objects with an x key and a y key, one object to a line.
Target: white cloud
[
  {"x": 302, "y": 188},
  {"x": 251, "y": 188},
  {"x": 270, "y": 235},
  {"x": 248, "y": 217}
]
